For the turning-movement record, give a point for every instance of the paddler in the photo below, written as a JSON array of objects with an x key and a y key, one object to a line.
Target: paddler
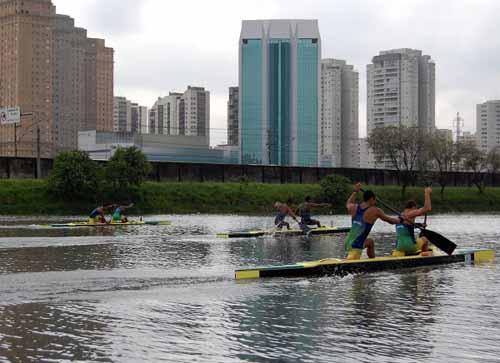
[
  {"x": 283, "y": 211},
  {"x": 118, "y": 216},
  {"x": 98, "y": 214},
  {"x": 406, "y": 243},
  {"x": 364, "y": 216},
  {"x": 304, "y": 212}
]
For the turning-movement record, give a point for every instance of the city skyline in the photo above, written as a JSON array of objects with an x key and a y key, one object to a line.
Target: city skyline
[{"x": 206, "y": 54}]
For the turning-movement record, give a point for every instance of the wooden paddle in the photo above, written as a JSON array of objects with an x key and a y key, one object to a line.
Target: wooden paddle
[{"x": 441, "y": 242}]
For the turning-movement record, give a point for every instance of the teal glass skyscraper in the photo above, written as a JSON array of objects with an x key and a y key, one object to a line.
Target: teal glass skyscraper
[{"x": 279, "y": 80}]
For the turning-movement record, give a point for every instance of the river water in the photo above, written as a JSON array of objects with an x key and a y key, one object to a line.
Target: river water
[{"x": 167, "y": 293}]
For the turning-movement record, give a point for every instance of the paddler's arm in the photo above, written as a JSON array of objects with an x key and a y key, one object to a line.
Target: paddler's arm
[
  {"x": 319, "y": 205},
  {"x": 351, "y": 202},
  {"x": 292, "y": 214},
  {"x": 425, "y": 209},
  {"x": 389, "y": 219}
]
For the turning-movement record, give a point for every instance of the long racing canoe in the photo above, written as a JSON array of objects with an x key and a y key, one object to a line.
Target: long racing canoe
[
  {"x": 333, "y": 266},
  {"x": 291, "y": 232},
  {"x": 95, "y": 225}
]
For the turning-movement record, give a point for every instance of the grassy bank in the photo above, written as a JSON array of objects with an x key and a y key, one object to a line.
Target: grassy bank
[{"x": 30, "y": 197}]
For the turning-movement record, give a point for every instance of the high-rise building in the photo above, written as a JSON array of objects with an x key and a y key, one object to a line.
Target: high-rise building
[
  {"x": 401, "y": 89},
  {"x": 488, "y": 125},
  {"x": 339, "y": 115},
  {"x": 232, "y": 116},
  {"x": 163, "y": 116},
  {"x": 139, "y": 118},
  {"x": 279, "y": 85},
  {"x": 185, "y": 114},
  {"x": 122, "y": 115},
  {"x": 68, "y": 82},
  {"x": 26, "y": 59},
  {"x": 61, "y": 80},
  {"x": 194, "y": 112},
  {"x": 129, "y": 116},
  {"x": 99, "y": 66}
]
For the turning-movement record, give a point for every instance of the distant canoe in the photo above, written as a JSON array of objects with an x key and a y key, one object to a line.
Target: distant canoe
[
  {"x": 96, "y": 225},
  {"x": 291, "y": 232}
]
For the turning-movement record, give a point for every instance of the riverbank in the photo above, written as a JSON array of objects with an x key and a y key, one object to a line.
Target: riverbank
[{"x": 30, "y": 197}]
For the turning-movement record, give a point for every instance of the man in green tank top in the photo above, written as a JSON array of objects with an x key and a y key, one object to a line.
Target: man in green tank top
[{"x": 406, "y": 243}]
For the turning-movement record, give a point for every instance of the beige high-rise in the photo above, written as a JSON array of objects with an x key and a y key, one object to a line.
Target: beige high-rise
[
  {"x": 61, "y": 79},
  {"x": 68, "y": 82},
  {"x": 26, "y": 74},
  {"x": 98, "y": 86}
]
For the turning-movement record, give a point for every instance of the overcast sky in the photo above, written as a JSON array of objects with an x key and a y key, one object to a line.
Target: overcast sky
[{"x": 165, "y": 45}]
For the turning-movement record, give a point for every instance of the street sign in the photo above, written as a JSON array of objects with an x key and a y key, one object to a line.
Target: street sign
[{"x": 10, "y": 115}]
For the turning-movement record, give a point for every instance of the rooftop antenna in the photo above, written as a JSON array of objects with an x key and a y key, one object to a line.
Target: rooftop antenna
[{"x": 458, "y": 125}]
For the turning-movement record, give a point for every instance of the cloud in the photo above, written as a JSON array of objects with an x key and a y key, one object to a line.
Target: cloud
[{"x": 165, "y": 45}]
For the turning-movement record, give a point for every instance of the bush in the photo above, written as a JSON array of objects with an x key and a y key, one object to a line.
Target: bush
[
  {"x": 125, "y": 172},
  {"x": 335, "y": 189},
  {"x": 74, "y": 176}
]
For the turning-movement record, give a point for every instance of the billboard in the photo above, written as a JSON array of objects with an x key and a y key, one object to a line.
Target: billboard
[{"x": 10, "y": 115}]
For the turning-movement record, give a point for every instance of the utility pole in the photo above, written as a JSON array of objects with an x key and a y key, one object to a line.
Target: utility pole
[
  {"x": 38, "y": 163},
  {"x": 15, "y": 140}
]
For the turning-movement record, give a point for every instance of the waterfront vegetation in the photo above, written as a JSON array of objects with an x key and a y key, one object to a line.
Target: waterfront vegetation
[{"x": 32, "y": 197}]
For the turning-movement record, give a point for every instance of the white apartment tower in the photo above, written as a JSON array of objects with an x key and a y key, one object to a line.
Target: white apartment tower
[
  {"x": 129, "y": 116},
  {"x": 488, "y": 125},
  {"x": 339, "y": 115},
  {"x": 194, "y": 112},
  {"x": 163, "y": 116},
  {"x": 185, "y": 114},
  {"x": 401, "y": 89},
  {"x": 122, "y": 114}
]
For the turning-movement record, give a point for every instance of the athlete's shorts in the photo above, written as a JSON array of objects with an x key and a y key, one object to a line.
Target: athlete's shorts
[
  {"x": 93, "y": 220},
  {"x": 404, "y": 249}
]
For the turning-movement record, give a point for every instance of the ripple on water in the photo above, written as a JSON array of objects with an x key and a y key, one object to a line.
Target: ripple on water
[{"x": 167, "y": 293}]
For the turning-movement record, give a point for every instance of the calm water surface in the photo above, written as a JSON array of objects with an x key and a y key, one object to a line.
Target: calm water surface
[{"x": 167, "y": 293}]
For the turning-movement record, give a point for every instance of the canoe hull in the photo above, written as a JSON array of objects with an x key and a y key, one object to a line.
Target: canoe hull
[
  {"x": 344, "y": 267},
  {"x": 292, "y": 232},
  {"x": 97, "y": 225}
]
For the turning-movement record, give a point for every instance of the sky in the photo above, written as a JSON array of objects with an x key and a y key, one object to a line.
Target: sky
[{"x": 166, "y": 45}]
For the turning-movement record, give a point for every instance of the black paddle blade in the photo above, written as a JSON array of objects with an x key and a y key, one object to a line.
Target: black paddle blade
[{"x": 441, "y": 242}]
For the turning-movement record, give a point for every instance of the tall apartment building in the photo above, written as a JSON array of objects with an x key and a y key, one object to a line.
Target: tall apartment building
[
  {"x": 129, "y": 116},
  {"x": 401, "y": 89},
  {"x": 279, "y": 85},
  {"x": 232, "y": 116},
  {"x": 99, "y": 68},
  {"x": 139, "y": 118},
  {"x": 194, "y": 112},
  {"x": 339, "y": 115},
  {"x": 68, "y": 82},
  {"x": 55, "y": 74},
  {"x": 488, "y": 125},
  {"x": 185, "y": 114},
  {"x": 26, "y": 75},
  {"x": 163, "y": 116},
  {"x": 122, "y": 115}
]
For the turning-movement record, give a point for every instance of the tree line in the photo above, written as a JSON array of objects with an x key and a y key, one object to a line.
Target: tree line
[{"x": 426, "y": 156}]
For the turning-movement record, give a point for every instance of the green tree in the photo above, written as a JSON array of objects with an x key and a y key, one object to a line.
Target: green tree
[
  {"x": 403, "y": 148},
  {"x": 443, "y": 153},
  {"x": 127, "y": 169},
  {"x": 75, "y": 176},
  {"x": 475, "y": 161},
  {"x": 335, "y": 189}
]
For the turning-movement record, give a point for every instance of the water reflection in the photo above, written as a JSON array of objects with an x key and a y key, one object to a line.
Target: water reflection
[
  {"x": 42, "y": 332},
  {"x": 152, "y": 294}
]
